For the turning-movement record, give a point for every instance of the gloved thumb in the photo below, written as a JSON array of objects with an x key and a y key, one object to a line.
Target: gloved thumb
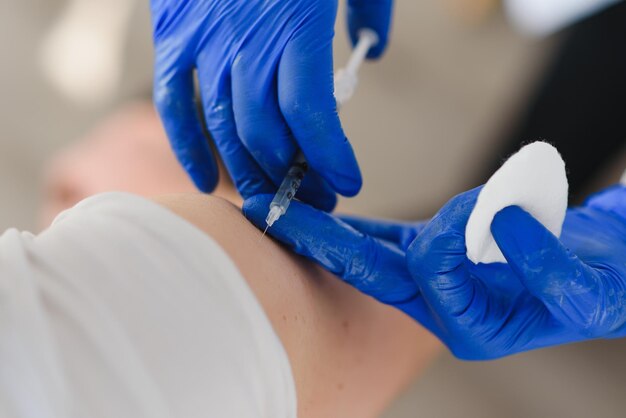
[
  {"x": 370, "y": 14},
  {"x": 435, "y": 258},
  {"x": 550, "y": 272}
]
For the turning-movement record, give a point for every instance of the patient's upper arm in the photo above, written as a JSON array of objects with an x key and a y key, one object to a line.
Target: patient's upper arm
[{"x": 350, "y": 355}]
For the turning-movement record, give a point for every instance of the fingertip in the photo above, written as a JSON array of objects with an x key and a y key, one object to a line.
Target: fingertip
[
  {"x": 302, "y": 227},
  {"x": 331, "y": 156},
  {"x": 205, "y": 178},
  {"x": 253, "y": 202},
  {"x": 255, "y": 208},
  {"x": 195, "y": 156},
  {"x": 377, "y": 51},
  {"x": 326, "y": 203},
  {"x": 327, "y": 150},
  {"x": 504, "y": 220},
  {"x": 316, "y": 192},
  {"x": 347, "y": 183},
  {"x": 174, "y": 102},
  {"x": 375, "y": 16},
  {"x": 529, "y": 248},
  {"x": 515, "y": 230},
  {"x": 307, "y": 102},
  {"x": 546, "y": 268},
  {"x": 336, "y": 163}
]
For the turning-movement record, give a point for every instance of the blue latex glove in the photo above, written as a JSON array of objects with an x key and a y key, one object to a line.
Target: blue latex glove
[
  {"x": 265, "y": 72},
  {"x": 569, "y": 290},
  {"x": 372, "y": 14},
  {"x": 545, "y": 296},
  {"x": 368, "y": 254}
]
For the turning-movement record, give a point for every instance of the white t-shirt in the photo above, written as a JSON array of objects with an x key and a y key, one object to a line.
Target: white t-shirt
[{"x": 123, "y": 309}]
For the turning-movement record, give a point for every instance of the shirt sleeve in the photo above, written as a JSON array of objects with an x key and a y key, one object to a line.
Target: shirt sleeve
[{"x": 123, "y": 309}]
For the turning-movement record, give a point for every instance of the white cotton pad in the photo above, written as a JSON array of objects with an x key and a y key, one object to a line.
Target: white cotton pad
[{"x": 533, "y": 179}]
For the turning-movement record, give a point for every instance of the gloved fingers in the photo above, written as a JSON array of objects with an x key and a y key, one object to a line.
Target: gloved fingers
[
  {"x": 399, "y": 233},
  {"x": 174, "y": 100},
  {"x": 215, "y": 89},
  {"x": 263, "y": 130},
  {"x": 260, "y": 124},
  {"x": 436, "y": 259},
  {"x": 370, "y": 14},
  {"x": 316, "y": 192},
  {"x": 306, "y": 98},
  {"x": 374, "y": 267},
  {"x": 570, "y": 289}
]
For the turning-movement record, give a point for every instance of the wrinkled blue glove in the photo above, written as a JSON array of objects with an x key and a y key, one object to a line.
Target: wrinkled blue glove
[
  {"x": 367, "y": 254},
  {"x": 568, "y": 290},
  {"x": 265, "y": 72},
  {"x": 551, "y": 292}
]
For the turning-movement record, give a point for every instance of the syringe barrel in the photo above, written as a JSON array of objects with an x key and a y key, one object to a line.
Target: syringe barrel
[
  {"x": 345, "y": 85},
  {"x": 291, "y": 183}
]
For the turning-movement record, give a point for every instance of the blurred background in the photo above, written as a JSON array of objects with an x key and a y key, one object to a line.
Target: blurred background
[{"x": 459, "y": 89}]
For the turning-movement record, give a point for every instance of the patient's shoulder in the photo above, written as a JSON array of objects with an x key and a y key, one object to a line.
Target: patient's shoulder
[
  {"x": 256, "y": 258},
  {"x": 338, "y": 340},
  {"x": 213, "y": 215}
]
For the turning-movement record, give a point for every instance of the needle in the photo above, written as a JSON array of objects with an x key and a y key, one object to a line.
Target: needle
[{"x": 264, "y": 232}]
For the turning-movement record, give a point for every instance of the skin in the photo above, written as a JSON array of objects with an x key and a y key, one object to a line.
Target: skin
[
  {"x": 350, "y": 355},
  {"x": 127, "y": 152}
]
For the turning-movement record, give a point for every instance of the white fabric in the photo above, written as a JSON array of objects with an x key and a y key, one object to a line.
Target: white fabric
[
  {"x": 543, "y": 17},
  {"x": 122, "y": 309},
  {"x": 623, "y": 180},
  {"x": 533, "y": 179}
]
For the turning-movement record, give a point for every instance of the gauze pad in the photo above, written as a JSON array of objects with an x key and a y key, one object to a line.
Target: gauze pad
[{"x": 533, "y": 179}]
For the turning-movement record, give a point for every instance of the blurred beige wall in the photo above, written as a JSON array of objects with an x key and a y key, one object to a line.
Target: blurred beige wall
[
  {"x": 422, "y": 119},
  {"x": 426, "y": 116},
  {"x": 35, "y": 119}
]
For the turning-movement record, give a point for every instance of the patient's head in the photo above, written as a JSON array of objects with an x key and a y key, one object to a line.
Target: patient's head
[{"x": 129, "y": 152}]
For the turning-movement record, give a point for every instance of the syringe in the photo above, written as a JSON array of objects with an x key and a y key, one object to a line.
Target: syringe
[{"x": 346, "y": 81}]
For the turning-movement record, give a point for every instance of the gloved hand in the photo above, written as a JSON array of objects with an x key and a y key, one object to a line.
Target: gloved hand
[
  {"x": 547, "y": 295},
  {"x": 265, "y": 72},
  {"x": 569, "y": 290},
  {"x": 368, "y": 254}
]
